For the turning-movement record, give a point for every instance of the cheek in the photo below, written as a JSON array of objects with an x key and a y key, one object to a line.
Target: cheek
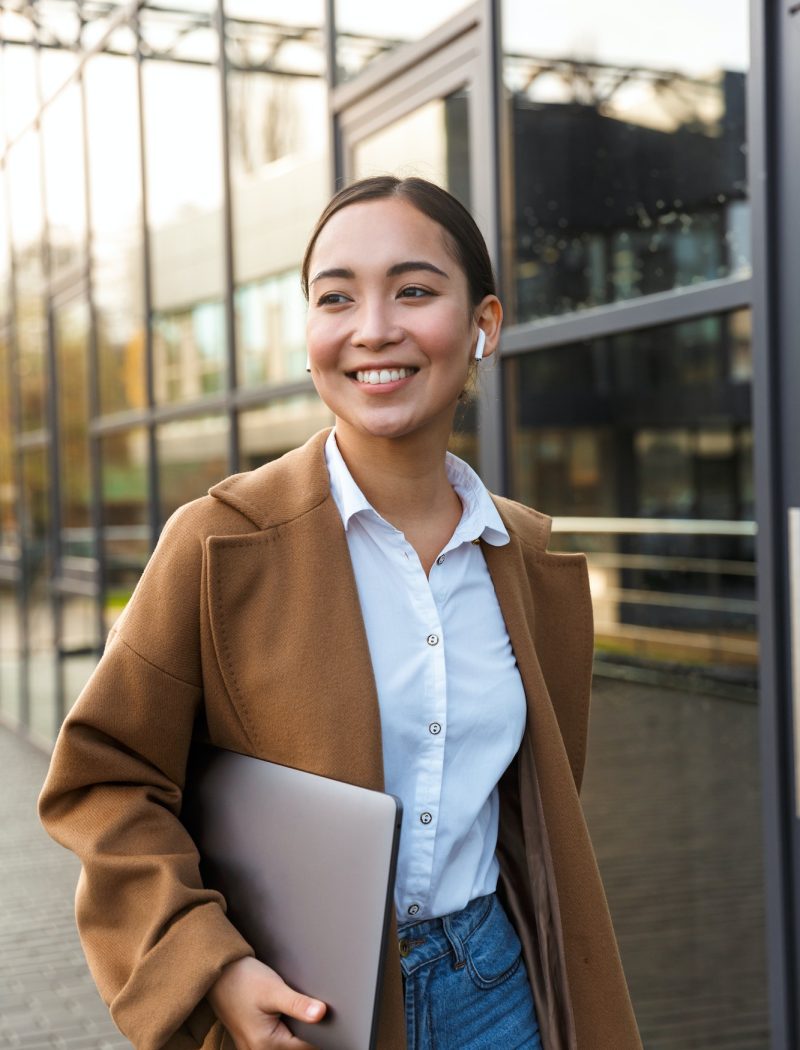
[{"x": 321, "y": 341}]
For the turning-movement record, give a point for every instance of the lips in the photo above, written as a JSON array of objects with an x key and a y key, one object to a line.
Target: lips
[{"x": 374, "y": 376}]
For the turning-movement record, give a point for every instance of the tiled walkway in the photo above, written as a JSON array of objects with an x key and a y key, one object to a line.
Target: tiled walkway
[
  {"x": 47, "y": 998},
  {"x": 670, "y": 794},
  {"x": 671, "y": 797}
]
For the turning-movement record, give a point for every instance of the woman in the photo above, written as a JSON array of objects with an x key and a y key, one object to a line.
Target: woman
[{"x": 362, "y": 609}]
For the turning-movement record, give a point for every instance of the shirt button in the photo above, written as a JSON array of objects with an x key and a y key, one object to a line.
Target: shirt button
[
  {"x": 425, "y": 818},
  {"x": 413, "y": 909},
  {"x": 440, "y": 560},
  {"x": 434, "y": 728},
  {"x": 433, "y": 639}
]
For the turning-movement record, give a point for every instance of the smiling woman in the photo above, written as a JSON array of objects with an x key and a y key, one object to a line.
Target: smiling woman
[{"x": 391, "y": 624}]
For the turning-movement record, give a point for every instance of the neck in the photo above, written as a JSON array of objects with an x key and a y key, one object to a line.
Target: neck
[{"x": 404, "y": 479}]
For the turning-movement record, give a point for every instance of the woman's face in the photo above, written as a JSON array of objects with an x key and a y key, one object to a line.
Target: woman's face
[{"x": 390, "y": 328}]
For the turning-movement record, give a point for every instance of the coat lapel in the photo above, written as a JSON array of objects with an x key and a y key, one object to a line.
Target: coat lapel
[{"x": 290, "y": 639}]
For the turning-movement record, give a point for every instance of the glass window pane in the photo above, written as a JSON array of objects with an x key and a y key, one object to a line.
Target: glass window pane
[
  {"x": 183, "y": 29},
  {"x": 279, "y": 159},
  {"x": 628, "y": 150},
  {"x": 431, "y": 142},
  {"x": 27, "y": 223},
  {"x": 25, "y": 210},
  {"x": 184, "y": 186},
  {"x": 365, "y": 32},
  {"x": 72, "y": 356},
  {"x": 272, "y": 37},
  {"x": 10, "y": 661},
  {"x": 270, "y": 330},
  {"x": 9, "y": 534},
  {"x": 37, "y": 551},
  {"x": 112, "y": 120},
  {"x": 189, "y": 352},
  {"x": 641, "y": 446},
  {"x": 192, "y": 456},
  {"x": 65, "y": 191},
  {"x": 20, "y": 94},
  {"x": 5, "y": 255},
  {"x": 126, "y": 521},
  {"x": 31, "y": 333},
  {"x": 266, "y": 433},
  {"x": 57, "y": 64}
]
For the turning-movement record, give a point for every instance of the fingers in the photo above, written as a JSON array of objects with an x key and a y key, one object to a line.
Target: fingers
[
  {"x": 250, "y": 999},
  {"x": 295, "y": 1004}
]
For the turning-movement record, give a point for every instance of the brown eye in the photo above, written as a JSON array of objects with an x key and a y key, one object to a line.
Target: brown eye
[
  {"x": 413, "y": 292},
  {"x": 332, "y": 299}
]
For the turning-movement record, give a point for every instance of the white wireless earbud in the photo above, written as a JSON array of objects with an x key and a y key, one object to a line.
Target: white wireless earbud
[
  {"x": 308, "y": 363},
  {"x": 480, "y": 345}
]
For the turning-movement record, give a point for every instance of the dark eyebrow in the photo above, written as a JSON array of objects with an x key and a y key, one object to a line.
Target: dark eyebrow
[
  {"x": 337, "y": 271},
  {"x": 415, "y": 264},
  {"x": 394, "y": 271}
]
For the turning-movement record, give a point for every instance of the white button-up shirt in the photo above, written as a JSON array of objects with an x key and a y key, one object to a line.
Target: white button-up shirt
[{"x": 452, "y": 705}]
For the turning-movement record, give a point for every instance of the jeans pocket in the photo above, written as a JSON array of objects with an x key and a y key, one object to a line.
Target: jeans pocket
[{"x": 493, "y": 952}]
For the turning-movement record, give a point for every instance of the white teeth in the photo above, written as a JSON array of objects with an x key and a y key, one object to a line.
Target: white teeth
[{"x": 384, "y": 375}]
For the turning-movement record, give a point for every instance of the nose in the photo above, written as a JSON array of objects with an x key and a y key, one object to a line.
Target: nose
[{"x": 376, "y": 325}]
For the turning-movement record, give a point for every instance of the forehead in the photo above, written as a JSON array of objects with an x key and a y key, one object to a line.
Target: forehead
[{"x": 381, "y": 231}]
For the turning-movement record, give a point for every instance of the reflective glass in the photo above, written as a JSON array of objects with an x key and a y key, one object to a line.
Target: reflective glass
[
  {"x": 641, "y": 446},
  {"x": 126, "y": 529},
  {"x": 57, "y": 64},
  {"x": 9, "y": 538},
  {"x": 112, "y": 121},
  {"x": 25, "y": 211},
  {"x": 270, "y": 330},
  {"x": 122, "y": 40},
  {"x": 71, "y": 325},
  {"x": 5, "y": 254},
  {"x": 628, "y": 151},
  {"x": 365, "y": 32},
  {"x": 279, "y": 163},
  {"x": 268, "y": 36},
  {"x": 184, "y": 186},
  {"x": 20, "y": 94},
  {"x": 10, "y": 662},
  {"x": 266, "y": 433},
  {"x": 183, "y": 29},
  {"x": 192, "y": 456},
  {"x": 189, "y": 352},
  {"x": 431, "y": 142},
  {"x": 37, "y": 550},
  {"x": 64, "y": 181},
  {"x": 27, "y": 223},
  {"x": 80, "y": 644}
]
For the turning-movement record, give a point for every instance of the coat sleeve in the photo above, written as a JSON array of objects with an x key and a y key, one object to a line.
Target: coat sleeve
[{"x": 154, "y": 937}]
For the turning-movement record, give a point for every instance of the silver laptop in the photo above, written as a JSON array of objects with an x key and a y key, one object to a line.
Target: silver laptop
[{"x": 307, "y": 867}]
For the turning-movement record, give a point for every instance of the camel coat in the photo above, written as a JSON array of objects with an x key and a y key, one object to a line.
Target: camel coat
[{"x": 246, "y": 628}]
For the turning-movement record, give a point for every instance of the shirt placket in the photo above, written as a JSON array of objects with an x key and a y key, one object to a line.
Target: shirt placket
[{"x": 423, "y": 826}]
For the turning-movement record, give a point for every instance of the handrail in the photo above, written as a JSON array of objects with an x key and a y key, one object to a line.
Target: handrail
[{"x": 655, "y": 526}]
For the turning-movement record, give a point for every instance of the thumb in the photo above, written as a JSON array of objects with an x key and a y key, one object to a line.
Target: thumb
[{"x": 294, "y": 1004}]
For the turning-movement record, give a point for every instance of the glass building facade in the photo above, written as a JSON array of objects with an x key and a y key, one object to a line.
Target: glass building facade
[{"x": 162, "y": 166}]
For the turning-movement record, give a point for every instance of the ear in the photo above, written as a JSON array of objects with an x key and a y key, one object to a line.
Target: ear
[{"x": 488, "y": 317}]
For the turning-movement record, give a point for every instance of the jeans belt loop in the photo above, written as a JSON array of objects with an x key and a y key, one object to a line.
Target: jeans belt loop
[{"x": 455, "y": 943}]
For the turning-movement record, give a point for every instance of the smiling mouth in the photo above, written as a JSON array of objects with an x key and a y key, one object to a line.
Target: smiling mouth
[{"x": 382, "y": 375}]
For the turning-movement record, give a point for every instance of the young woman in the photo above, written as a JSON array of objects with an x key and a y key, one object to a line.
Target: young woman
[{"x": 363, "y": 609}]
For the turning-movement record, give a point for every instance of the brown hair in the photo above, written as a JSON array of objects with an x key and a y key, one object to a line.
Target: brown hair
[{"x": 463, "y": 237}]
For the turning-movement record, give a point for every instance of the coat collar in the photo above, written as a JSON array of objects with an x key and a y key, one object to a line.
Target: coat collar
[{"x": 295, "y": 484}]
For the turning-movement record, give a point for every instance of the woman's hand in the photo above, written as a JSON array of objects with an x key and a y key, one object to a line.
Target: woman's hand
[{"x": 249, "y": 999}]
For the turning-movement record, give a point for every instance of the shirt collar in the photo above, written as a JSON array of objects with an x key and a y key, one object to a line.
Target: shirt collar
[{"x": 480, "y": 519}]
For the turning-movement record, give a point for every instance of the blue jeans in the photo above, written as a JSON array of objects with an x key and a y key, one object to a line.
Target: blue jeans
[{"x": 466, "y": 987}]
